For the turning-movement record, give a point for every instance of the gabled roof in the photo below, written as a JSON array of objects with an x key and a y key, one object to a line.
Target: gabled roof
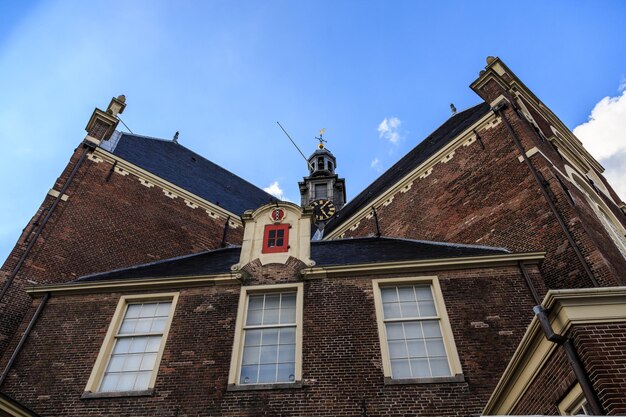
[
  {"x": 188, "y": 170},
  {"x": 428, "y": 147},
  {"x": 357, "y": 251}
]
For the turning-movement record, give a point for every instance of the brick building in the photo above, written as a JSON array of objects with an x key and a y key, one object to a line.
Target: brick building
[{"x": 482, "y": 273}]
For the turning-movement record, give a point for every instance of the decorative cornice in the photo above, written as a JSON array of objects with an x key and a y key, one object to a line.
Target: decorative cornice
[
  {"x": 170, "y": 190},
  {"x": 135, "y": 284},
  {"x": 423, "y": 265}
]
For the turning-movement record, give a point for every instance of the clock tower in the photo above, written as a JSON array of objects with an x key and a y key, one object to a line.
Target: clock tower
[{"x": 322, "y": 188}]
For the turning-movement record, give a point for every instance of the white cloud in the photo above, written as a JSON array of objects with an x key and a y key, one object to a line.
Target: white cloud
[
  {"x": 622, "y": 85},
  {"x": 275, "y": 190},
  {"x": 604, "y": 136},
  {"x": 389, "y": 129},
  {"x": 376, "y": 165}
]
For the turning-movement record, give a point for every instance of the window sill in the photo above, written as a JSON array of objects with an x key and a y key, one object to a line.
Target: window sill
[
  {"x": 89, "y": 395},
  {"x": 433, "y": 380},
  {"x": 259, "y": 387}
]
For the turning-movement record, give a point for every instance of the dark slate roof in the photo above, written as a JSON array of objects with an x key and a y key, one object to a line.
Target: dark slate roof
[
  {"x": 428, "y": 147},
  {"x": 188, "y": 170},
  {"x": 324, "y": 253}
]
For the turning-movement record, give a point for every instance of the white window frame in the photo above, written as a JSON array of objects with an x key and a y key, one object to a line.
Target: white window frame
[
  {"x": 242, "y": 312},
  {"x": 104, "y": 356},
  {"x": 444, "y": 322}
]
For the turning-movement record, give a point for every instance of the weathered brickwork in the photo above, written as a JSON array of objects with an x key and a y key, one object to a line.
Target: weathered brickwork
[
  {"x": 548, "y": 388},
  {"x": 342, "y": 364},
  {"x": 602, "y": 348},
  {"x": 109, "y": 221},
  {"x": 487, "y": 196}
]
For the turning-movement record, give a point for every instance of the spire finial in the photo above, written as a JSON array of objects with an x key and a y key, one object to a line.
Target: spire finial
[{"x": 321, "y": 138}]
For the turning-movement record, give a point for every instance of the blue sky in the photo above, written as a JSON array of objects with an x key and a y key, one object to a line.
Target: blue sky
[{"x": 378, "y": 75}]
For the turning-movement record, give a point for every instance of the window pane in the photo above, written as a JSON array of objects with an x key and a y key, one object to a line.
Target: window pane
[
  {"x": 400, "y": 368},
  {"x": 148, "y": 309},
  {"x": 132, "y": 362},
  {"x": 409, "y": 310},
  {"x": 394, "y": 331},
  {"x": 251, "y": 355},
  {"x": 138, "y": 344},
  {"x": 269, "y": 354},
  {"x": 435, "y": 347},
  {"x": 147, "y": 363},
  {"x": 417, "y": 348},
  {"x": 406, "y": 294},
  {"x": 253, "y": 337},
  {"x": 431, "y": 328},
  {"x": 391, "y": 310},
  {"x": 270, "y": 337},
  {"x": 143, "y": 325},
  {"x": 413, "y": 330},
  {"x": 288, "y": 300},
  {"x": 423, "y": 293},
  {"x": 126, "y": 382},
  {"x": 286, "y": 372},
  {"x": 288, "y": 316},
  {"x": 133, "y": 311},
  {"x": 122, "y": 345},
  {"x": 254, "y": 317},
  {"x": 154, "y": 342},
  {"x": 249, "y": 374},
  {"x": 427, "y": 309},
  {"x": 128, "y": 326},
  {"x": 272, "y": 301},
  {"x": 439, "y": 367},
  {"x": 420, "y": 368},
  {"x": 271, "y": 316},
  {"x": 267, "y": 373},
  {"x": 143, "y": 380},
  {"x": 280, "y": 241},
  {"x": 158, "y": 325},
  {"x": 288, "y": 336},
  {"x": 397, "y": 349},
  {"x": 255, "y": 302},
  {"x": 109, "y": 382},
  {"x": 389, "y": 294},
  {"x": 286, "y": 353},
  {"x": 116, "y": 363},
  {"x": 163, "y": 309}
]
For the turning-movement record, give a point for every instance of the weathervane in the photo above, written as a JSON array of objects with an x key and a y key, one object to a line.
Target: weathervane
[{"x": 321, "y": 139}]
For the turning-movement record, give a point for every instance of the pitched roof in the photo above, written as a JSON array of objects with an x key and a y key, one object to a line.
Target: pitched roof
[
  {"x": 428, "y": 147},
  {"x": 188, "y": 170},
  {"x": 325, "y": 253}
]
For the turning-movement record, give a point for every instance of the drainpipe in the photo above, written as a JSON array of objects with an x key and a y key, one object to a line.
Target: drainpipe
[
  {"x": 577, "y": 366},
  {"x": 498, "y": 109},
  {"x": 18, "y": 348},
  {"x": 32, "y": 241},
  {"x": 529, "y": 283}
]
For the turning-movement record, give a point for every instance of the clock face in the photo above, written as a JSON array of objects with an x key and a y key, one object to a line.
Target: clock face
[{"x": 323, "y": 209}]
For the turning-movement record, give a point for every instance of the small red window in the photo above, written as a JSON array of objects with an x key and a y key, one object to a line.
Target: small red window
[{"x": 276, "y": 238}]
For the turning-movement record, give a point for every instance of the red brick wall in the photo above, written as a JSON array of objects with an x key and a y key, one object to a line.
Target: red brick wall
[
  {"x": 601, "y": 349},
  {"x": 489, "y": 309},
  {"x": 104, "y": 225},
  {"x": 488, "y": 197}
]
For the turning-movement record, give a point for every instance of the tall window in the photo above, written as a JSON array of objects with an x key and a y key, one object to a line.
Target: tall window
[
  {"x": 130, "y": 355},
  {"x": 267, "y": 348},
  {"x": 574, "y": 403},
  {"x": 415, "y": 335}
]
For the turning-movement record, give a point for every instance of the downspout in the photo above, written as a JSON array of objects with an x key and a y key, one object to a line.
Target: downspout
[
  {"x": 32, "y": 242},
  {"x": 529, "y": 283},
  {"x": 573, "y": 358},
  {"x": 498, "y": 109},
  {"x": 18, "y": 348}
]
